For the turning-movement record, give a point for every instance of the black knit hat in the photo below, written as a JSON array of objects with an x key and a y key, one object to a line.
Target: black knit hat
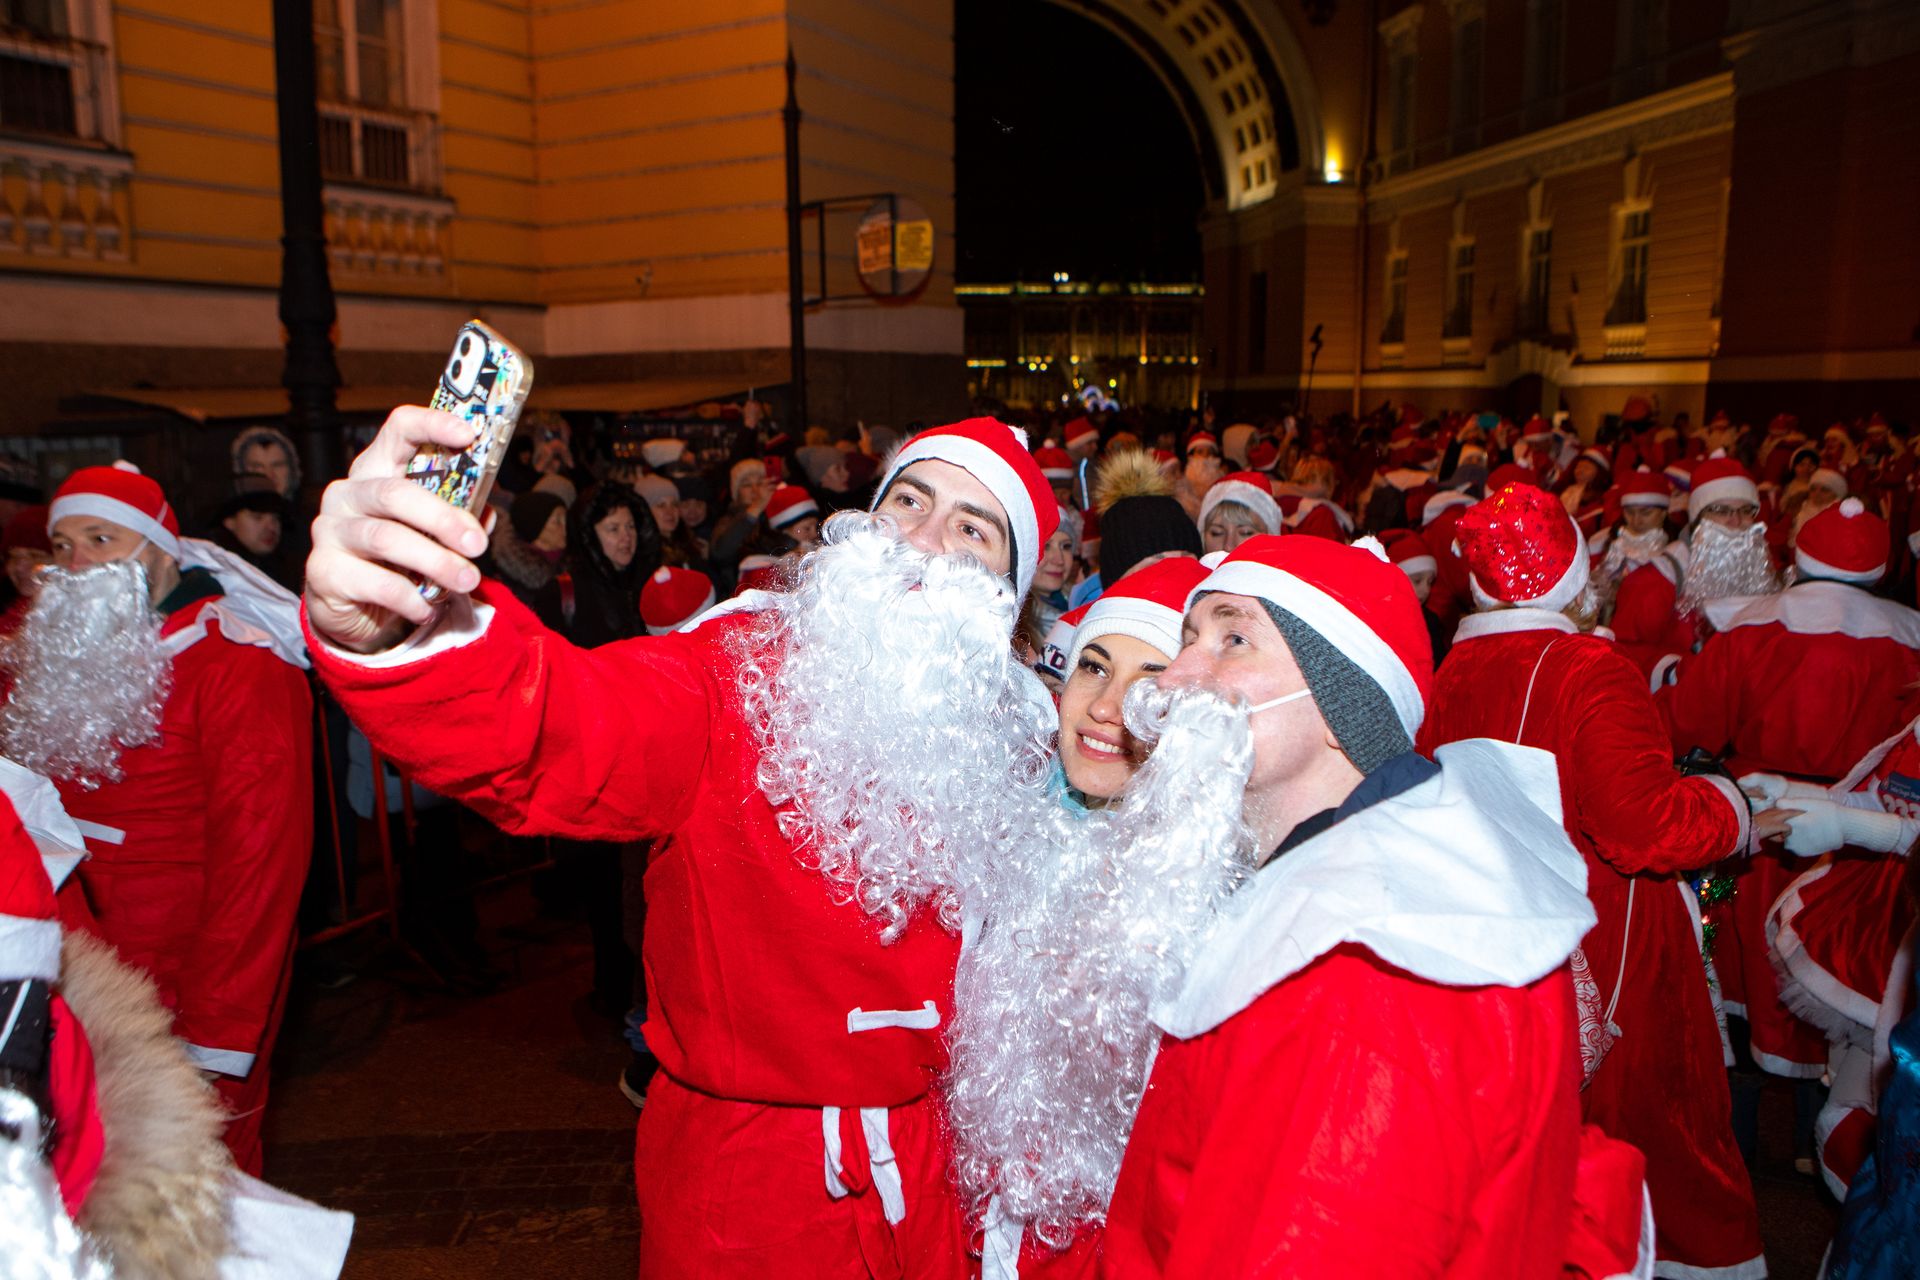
[
  {"x": 531, "y": 511},
  {"x": 1134, "y": 528}
]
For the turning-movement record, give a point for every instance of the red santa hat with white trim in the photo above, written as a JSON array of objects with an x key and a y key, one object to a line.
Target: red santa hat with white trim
[
  {"x": 1443, "y": 501},
  {"x": 1082, "y": 437},
  {"x": 1353, "y": 624},
  {"x": 1252, "y": 490},
  {"x": 996, "y": 455},
  {"x": 1521, "y": 548},
  {"x": 1720, "y": 479},
  {"x": 1054, "y": 462},
  {"x": 672, "y": 597},
  {"x": 1845, "y": 542},
  {"x": 29, "y": 920},
  {"x": 1146, "y": 605},
  {"x": 120, "y": 495},
  {"x": 789, "y": 505},
  {"x": 1644, "y": 488},
  {"x": 1410, "y": 552}
]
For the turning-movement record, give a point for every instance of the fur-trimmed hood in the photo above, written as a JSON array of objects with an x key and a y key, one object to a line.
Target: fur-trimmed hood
[{"x": 158, "y": 1208}]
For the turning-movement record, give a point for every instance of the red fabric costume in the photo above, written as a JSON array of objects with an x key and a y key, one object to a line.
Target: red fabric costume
[
  {"x": 764, "y": 1147},
  {"x": 200, "y": 851},
  {"x": 1322, "y": 1109},
  {"x": 1317, "y": 517},
  {"x": 1803, "y": 683},
  {"x": 1663, "y": 1085},
  {"x": 1835, "y": 935},
  {"x": 1647, "y": 623}
]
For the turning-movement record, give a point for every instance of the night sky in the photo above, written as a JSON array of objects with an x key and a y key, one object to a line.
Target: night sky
[{"x": 1070, "y": 154}]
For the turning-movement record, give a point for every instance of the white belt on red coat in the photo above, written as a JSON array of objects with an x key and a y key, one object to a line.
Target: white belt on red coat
[{"x": 883, "y": 1167}]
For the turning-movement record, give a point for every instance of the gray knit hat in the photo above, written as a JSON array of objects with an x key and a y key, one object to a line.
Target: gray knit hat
[{"x": 1352, "y": 702}]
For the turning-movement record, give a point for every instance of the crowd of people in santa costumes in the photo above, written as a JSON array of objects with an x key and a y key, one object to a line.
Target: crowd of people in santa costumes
[{"x": 1104, "y": 849}]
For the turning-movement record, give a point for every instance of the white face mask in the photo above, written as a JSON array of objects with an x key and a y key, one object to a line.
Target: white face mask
[{"x": 1280, "y": 701}]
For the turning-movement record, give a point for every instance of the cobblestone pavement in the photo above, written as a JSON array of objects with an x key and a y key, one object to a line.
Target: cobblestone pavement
[{"x": 483, "y": 1138}]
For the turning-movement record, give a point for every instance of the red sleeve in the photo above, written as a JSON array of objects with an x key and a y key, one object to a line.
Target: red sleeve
[
  {"x": 1626, "y": 796},
  {"x": 256, "y": 720},
  {"x": 540, "y": 737}
]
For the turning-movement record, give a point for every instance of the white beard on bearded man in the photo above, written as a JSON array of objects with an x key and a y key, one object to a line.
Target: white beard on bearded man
[
  {"x": 90, "y": 675},
  {"x": 902, "y": 742},
  {"x": 1725, "y": 563},
  {"x": 1069, "y": 945}
]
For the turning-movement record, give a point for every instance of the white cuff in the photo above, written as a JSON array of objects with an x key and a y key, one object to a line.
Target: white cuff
[
  {"x": 459, "y": 624},
  {"x": 1881, "y": 832},
  {"x": 1743, "y": 843},
  {"x": 227, "y": 1062}
]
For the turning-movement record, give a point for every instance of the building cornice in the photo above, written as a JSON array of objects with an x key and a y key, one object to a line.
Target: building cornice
[
  {"x": 1776, "y": 42},
  {"x": 1695, "y": 109}
]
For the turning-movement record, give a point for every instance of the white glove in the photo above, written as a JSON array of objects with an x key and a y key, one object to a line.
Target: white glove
[
  {"x": 1818, "y": 828},
  {"x": 1876, "y": 830},
  {"x": 1769, "y": 789}
]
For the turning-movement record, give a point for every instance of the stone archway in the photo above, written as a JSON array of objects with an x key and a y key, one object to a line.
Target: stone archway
[{"x": 1241, "y": 80}]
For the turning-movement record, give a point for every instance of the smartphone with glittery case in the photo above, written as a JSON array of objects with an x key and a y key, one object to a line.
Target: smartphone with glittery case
[{"x": 486, "y": 383}]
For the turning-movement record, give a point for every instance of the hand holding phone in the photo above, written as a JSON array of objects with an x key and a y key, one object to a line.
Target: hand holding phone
[{"x": 380, "y": 534}]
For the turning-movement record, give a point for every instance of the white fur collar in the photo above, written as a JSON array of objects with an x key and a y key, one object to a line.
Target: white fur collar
[
  {"x": 1467, "y": 879},
  {"x": 1821, "y": 608},
  {"x": 1500, "y": 622}
]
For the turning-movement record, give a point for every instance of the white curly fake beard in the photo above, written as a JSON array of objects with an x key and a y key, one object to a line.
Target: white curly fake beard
[
  {"x": 1069, "y": 946},
  {"x": 1723, "y": 563},
  {"x": 902, "y": 743},
  {"x": 90, "y": 675}
]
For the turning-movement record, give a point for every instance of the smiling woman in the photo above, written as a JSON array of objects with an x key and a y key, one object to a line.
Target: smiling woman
[{"x": 1130, "y": 633}]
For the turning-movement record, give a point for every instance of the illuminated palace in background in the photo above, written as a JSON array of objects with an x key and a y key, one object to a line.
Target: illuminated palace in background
[
  {"x": 1035, "y": 342},
  {"x": 1515, "y": 203}
]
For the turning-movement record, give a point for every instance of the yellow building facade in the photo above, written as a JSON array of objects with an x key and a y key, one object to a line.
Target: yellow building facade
[{"x": 604, "y": 181}]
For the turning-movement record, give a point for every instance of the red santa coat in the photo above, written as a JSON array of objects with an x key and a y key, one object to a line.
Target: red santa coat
[
  {"x": 790, "y": 1038},
  {"x": 1649, "y": 629},
  {"x": 1802, "y": 683},
  {"x": 1836, "y": 935},
  {"x": 1371, "y": 1067},
  {"x": 1663, "y": 1086},
  {"x": 199, "y": 853}
]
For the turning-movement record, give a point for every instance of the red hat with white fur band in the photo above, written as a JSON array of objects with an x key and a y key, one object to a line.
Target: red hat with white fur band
[
  {"x": 1353, "y": 597},
  {"x": 1844, "y": 543},
  {"x": 996, "y": 455},
  {"x": 1146, "y": 605},
  {"x": 790, "y": 504},
  {"x": 1523, "y": 549},
  {"x": 673, "y": 597},
  {"x": 121, "y": 495},
  {"x": 1252, "y": 490}
]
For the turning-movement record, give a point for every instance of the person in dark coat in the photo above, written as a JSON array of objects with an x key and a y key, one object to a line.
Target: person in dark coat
[{"x": 615, "y": 548}]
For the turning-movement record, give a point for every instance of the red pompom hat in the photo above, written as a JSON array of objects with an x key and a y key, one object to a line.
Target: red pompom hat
[
  {"x": 1251, "y": 489},
  {"x": 1844, "y": 543},
  {"x": 673, "y": 597},
  {"x": 1353, "y": 596},
  {"x": 1523, "y": 549},
  {"x": 121, "y": 495},
  {"x": 1147, "y": 605},
  {"x": 996, "y": 455},
  {"x": 790, "y": 504},
  {"x": 1054, "y": 463},
  {"x": 1264, "y": 456}
]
